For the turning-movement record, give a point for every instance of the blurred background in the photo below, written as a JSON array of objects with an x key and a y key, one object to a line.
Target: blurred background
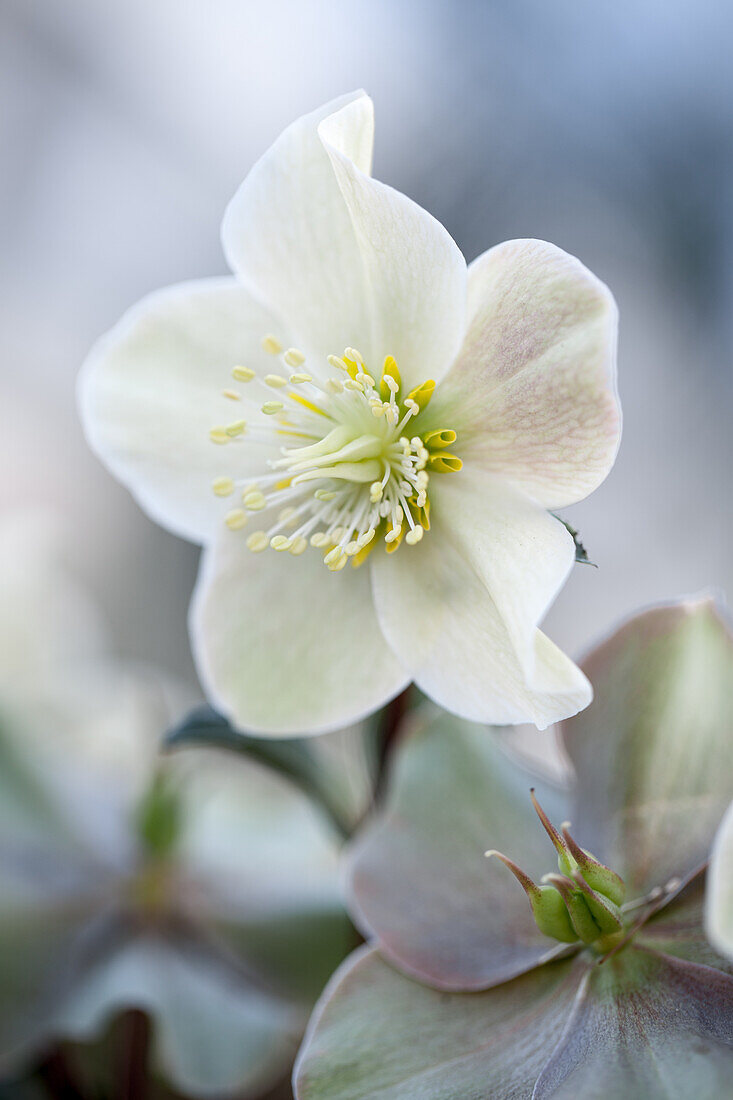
[{"x": 608, "y": 129}]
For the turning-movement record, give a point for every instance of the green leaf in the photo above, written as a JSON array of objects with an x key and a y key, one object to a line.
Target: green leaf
[
  {"x": 294, "y": 757},
  {"x": 378, "y": 1035},
  {"x": 420, "y": 882},
  {"x": 652, "y": 752},
  {"x": 581, "y": 554}
]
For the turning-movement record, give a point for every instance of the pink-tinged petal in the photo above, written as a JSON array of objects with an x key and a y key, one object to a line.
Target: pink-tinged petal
[
  {"x": 677, "y": 929},
  {"x": 152, "y": 389},
  {"x": 647, "y": 1027},
  {"x": 420, "y": 883},
  {"x": 285, "y": 647},
  {"x": 461, "y": 608},
  {"x": 377, "y": 1035},
  {"x": 533, "y": 391},
  {"x": 344, "y": 259},
  {"x": 652, "y": 754}
]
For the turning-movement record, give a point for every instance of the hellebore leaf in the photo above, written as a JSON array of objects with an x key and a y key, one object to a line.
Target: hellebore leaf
[
  {"x": 646, "y": 1027},
  {"x": 420, "y": 882},
  {"x": 293, "y": 757},
  {"x": 378, "y": 1035},
  {"x": 215, "y": 1031},
  {"x": 265, "y": 863},
  {"x": 652, "y": 753}
]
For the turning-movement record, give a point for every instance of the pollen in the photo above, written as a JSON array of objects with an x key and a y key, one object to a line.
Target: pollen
[{"x": 346, "y": 462}]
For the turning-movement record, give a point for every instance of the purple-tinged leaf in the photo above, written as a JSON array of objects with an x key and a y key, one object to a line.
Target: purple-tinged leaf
[
  {"x": 378, "y": 1035},
  {"x": 645, "y": 1027},
  {"x": 421, "y": 885},
  {"x": 652, "y": 752}
]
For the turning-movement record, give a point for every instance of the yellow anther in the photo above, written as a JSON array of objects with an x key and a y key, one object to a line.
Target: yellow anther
[
  {"x": 441, "y": 437},
  {"x": 352, "y": 384},
  {"x": 336, "y": 534},
  {"x": 223, "y": 486},
  {"x": 421, "y": 394},
  {"x": 219, "y": 435},
  {"x": 298, "y": 545},
  {"x": 275, "y": 381},
  {"x": 254, "y": 501},
  {"x": 442, "y": 462},
  {"x": 280, "y": 542},
  {"x": 337, "y": 363},
  {"x": 394, "y": 542},
  {"x": 366, "y": 538},
  {"x": 257, "y": 541},
  {"x": 389, "y": 370},
  {"x": 271, "y": 407},
  {"x": 393, "y": 534},
  {"x": 375, "y": 491},
  {"x": 324, "y": 494},
  {"x": 271, "y": 344},
  {"x": 337, "y": 565},
  {"x": 319, "y": 539},
  {"x": 354, "y": 356},
  {"x": 413, "y": 536},
  {"x": 352, "y": 548},
  {"x": 232, "y": 395},
  {"x": 236, "y": 519},
  {"x": 333, "y": 555},
  {"x": 379, "y": 410},
  {"x": 365, "y": 379},
  {"x": 236, "y": 428},
  {"x": 286, "y": 516},
  {"x": 333, "y": 385},
  {"x": 299, "y": 379},
  {"x": 293, "y": 357},
  {"x": 243, "y": 374}
]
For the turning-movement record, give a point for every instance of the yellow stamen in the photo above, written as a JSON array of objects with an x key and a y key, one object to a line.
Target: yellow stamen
[
  {"x": 243, "y": 374},
  {"x": 223, "y": 486},
  {"x": 236, "y": 519},
  {"x": 271, "y": 344}
]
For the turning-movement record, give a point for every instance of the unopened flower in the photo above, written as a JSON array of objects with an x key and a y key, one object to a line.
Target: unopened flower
[
  {"x": 600, "y": 982},
  {"x": 368, "y": 438}
]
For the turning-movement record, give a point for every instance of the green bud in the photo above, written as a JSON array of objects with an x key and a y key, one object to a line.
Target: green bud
[
  {"x": 596, "y": 874},
  {"x": 551, "y": 915},
  {"x": 606, "y": 915},
  {"x": 159, "y": 817},
  {"x": 580, "y": 915}
]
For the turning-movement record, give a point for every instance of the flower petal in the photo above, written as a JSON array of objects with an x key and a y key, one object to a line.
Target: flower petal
[
  {"x": 419, "y": 881},
  {"x": 461, "y": 608},
  {"x": 346, "y": 260},
  {"x": 414, "y": 271},
  {"x": 677, "y": 929},
  {"x": 284, "y": 646},
  {"x": 215, "y": 1032},
  {"x": 645, "y": 1025},
  {"x": 151, "y": 391},
  {"x": 652, "y": 755},
  {"x": 533, "y": 391},
  {"x": 719, "y": 902},
  {"x": 377, "y": 1035}
]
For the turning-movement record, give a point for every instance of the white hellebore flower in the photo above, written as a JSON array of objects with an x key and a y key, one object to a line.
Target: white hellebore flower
[{"x": 356, "y": 395}]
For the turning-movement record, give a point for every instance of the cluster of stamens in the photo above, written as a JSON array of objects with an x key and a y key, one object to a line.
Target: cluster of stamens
[{"x": 350, "y": 469}]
